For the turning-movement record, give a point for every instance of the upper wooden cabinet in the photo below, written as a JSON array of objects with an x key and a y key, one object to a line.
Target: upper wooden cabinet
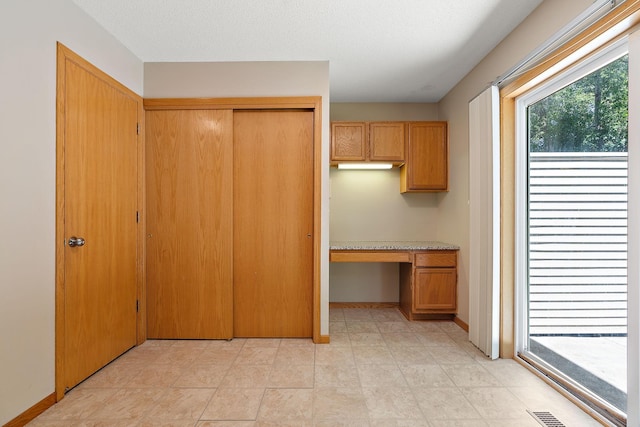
[
  {"x": 368, "y": 141},
  {"x": 427, "y": 165},
  {"x": 421, "y": 149},
  {"x": 348, "y": 141},
  {"x": 387, "y": 142}
]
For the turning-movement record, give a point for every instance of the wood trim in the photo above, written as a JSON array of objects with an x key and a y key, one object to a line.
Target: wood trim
[
  {"x": 507, "y": 228},
  {"x": 255, "y": 103},
  {"x": 31, "y": 413},
  {"x": 363, "y": 305},
  {"x": 324, "y": 339},
  {"x": 614, "y": 25},
  {"x": 317, "y": 218},
  {"x": 141, "y": 333},
  {"x": 65, "y": 54},
  {"x": 59, "y": 245},
  {"x": 460, "y": 323}
]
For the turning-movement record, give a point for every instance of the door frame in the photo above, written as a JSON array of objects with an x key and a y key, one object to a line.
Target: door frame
[
  {"x": 64, "y": 54},
  {"x": 311, "y": 103}
]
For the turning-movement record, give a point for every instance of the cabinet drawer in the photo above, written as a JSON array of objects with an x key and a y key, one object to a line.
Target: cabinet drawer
[{"x": 436, "y": 259}]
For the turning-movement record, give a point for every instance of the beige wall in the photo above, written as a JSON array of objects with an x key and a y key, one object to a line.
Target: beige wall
[
  {"x": 367, "y": 205},
  {"x": 545, "y": 21},
  {"x": 254, "y": 79},
  {"x": 29, "y": 30}
]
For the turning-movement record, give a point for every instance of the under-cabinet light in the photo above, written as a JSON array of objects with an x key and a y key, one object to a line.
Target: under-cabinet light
[{"x": 365, "y": 165}]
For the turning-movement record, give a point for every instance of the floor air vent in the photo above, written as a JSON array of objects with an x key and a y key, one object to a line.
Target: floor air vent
[{"x": 546, "y": 419}]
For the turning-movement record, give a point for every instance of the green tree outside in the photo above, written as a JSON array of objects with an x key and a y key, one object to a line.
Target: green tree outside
[{"x": 589, "y": 115}]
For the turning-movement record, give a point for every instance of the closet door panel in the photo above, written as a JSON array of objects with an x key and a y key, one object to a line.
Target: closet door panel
[
  {"x": 189, "y": 223},
  {"x": 273, "y": 223}
]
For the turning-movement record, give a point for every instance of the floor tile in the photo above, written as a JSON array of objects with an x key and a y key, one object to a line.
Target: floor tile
[
  {"x": 403, "y": 339},
  {"x": 226, "y": 424},
  {"x": 426, "y": 376},
  {"x": 153, "y": 376},
  {"x": 445, "y": 404},
  {"x": 128, "y": 404},
  {"x": 412, "y": 355},
  {"x": 246, "y": 376},
  {"x": 179, "y": 355},
  {"x": 181, "y": 404},
  {"x": 286, "y": 404},
  {"x": 333, "y": 355},
  {"x": 472, "y": 375},
  {"x": 391, "y": 403},
  {"x": 381, "y": 376},
  {"x": 234, "y": 404},
  {"x": 368, "y": 354},
  {"x": 295, "y": 355},
  {"x": 218, "y": 355},
  {"x": 336, "y": 376},
  {"x": 379, "y": 370},
  {"x": 366, "y": 338},
  {"x": 291, "y": 376},
  {"x": 78, "y": 404},
  {"x": 202, "y": 375},
  {"x": 495, "y": 402},
  {"x": 256, "y": 355},
  {"x": 339, "y": 403}
]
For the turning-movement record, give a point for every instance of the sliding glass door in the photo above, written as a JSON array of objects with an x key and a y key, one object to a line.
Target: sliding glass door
[{"x": 573, "y": 230}]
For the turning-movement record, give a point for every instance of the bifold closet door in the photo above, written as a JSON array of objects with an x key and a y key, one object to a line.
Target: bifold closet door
[
  {"x": 189, "y": 223},
  {"x": 273, "y": 223}
]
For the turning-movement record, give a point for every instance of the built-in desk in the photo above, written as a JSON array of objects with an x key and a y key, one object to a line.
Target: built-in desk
[{"x": 428, "y": 273}]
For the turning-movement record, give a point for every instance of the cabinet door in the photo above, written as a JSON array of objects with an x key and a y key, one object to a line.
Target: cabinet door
[
  {"x": 386, "y": 141},
  {"x": 435, "y": 290},
  {"x": 189, "y": 223},
  {"x": 348, "y": 141},
  {"x": 427, "y": 166}
]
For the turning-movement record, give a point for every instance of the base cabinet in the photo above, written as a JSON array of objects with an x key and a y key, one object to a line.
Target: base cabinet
[{"x": 428, "y": 285}]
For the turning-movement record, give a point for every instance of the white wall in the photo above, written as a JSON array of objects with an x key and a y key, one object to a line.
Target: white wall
[
  {"x": 367, "y": 205},
  {"x": 542, "y": 23},
  {"x": 29, "y": 30},
  {"x": 254, "y": 79}
]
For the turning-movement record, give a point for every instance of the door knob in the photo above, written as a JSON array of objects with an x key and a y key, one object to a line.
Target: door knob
[{"x": 75, "y": 241}]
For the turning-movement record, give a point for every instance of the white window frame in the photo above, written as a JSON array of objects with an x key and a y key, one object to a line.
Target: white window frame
[{"x": 545, "y": 89}]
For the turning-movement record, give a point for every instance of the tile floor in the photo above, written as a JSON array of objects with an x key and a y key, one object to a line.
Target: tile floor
[{"x": 378, "y": 371}]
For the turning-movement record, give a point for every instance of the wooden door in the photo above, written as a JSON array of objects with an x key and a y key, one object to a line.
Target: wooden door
[
  {"x": 99, "y": 196},
  {"x": 273, "y": 223},
  {"x": 189, "y": 223}
]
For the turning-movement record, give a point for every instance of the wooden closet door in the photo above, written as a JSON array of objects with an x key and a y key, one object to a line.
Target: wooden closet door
[
  {"x": 273, "y": 223},
  {"x": 189, "y": 223}
]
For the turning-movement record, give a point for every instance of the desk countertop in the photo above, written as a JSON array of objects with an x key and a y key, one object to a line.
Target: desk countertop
[{"x": 393, "y": 246}]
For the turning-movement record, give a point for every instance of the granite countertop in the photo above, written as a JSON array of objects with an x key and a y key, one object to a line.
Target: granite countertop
[{"x": 392, "y": 245}]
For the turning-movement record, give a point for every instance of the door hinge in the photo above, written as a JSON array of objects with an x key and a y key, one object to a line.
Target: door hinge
[
  {"x": 137, "y": 216},
  {"x": 137, "y": 306},
  {"x": 137, "y": 128}
]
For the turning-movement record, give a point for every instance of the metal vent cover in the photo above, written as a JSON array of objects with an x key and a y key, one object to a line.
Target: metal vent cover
[{"x": 546, "y": 419}]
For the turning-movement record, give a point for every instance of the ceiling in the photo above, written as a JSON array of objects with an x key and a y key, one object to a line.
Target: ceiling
[{"x": 378, "y": 50}]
